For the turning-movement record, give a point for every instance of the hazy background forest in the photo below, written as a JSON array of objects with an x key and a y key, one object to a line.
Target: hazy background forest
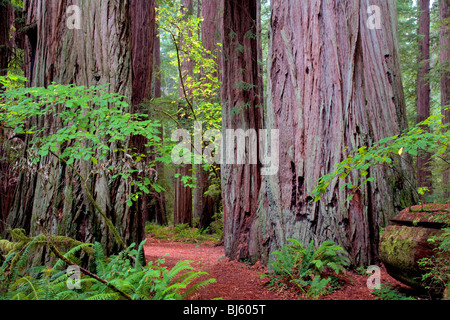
[{"x": 113, "y": 116}]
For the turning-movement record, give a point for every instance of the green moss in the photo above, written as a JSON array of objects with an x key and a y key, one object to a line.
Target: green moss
[{"x": 398, "y": 247}]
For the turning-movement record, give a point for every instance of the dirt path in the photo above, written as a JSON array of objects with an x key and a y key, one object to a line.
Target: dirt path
[{"x": 239, "y": 281}]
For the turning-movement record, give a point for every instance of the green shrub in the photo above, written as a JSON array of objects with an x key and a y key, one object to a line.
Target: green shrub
[
  {"x": 180, "y": 232},
  {"x": 437, "y": 267},
  {"x": 306, "y": 267},
  {"x": 387, "y": 292},
  {"x": 122, "y": 276}
]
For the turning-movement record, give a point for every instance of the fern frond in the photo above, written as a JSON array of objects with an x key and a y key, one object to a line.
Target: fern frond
[
  {"x": 70, "y": 255},
  {"x": 180, "y": 266},
  {"x": 198, "y": 286},
  {"x": 140, "y": 256},
  {"x": 105, "y": 296},
  {"x": 99, "y": 255}
]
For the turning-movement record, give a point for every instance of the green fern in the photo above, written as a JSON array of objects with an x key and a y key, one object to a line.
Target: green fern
[
  {"x": 304, "y": 266},
  {"x": 140, "y": 256},
  {"x": 126, "y": 272}
]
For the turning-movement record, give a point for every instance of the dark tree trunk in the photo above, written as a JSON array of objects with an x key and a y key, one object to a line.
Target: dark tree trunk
[
  {"x": 334, "y": 83},
  {"x": 424, "y": 178},
  {"x": 143, "y": 29},
  {"x": 183, "y": 194},
  {"x": 160, "y": 212},
  {"x": 110, "y": 48},
  {"x": 241, "y": 109},
  {"x": 6, "y": 44},
  {"x": 445, "y": 79},
  {"x": 7, "y": 175}
]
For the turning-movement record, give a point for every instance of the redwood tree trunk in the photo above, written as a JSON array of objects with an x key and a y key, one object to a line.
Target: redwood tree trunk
[
  {"x": 445, "y": 78},
  {"x": 241, "y": 110},
  {"x": 6, "y": 21},
  {"x": 110, "y": 48},
  {"x": 7, "y": 175},
  {"x": 334, "y": 83},
  {"x": 424, "y": 178},
  {"x": 160, "y": 212}
]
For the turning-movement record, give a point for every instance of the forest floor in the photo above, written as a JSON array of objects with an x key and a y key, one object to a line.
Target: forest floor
[{"x": 241, "y": 281}]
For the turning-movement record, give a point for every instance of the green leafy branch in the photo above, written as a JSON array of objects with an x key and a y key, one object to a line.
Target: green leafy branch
[{"x": 431, "y": 136}]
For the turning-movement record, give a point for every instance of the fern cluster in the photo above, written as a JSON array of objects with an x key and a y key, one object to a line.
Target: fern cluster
[
  {"x": 122, "y": 276},
  {"x": 306, "y": 267}
]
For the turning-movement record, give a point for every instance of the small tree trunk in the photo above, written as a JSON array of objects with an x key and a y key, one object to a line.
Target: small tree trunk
[
  {"x": 424, "y": 177},
  {"x": 445, "y": 79},
  {"x": 160, "y": 216},
  {"x": 183, "y": 194},
  {"x": 204, "y": 205}
]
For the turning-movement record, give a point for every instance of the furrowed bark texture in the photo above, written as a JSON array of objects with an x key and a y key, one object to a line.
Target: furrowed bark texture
[
  {"x": 241, "y": 110},
  {"x": 333, "y": 83},
  {"x": 100, "y": 52}
]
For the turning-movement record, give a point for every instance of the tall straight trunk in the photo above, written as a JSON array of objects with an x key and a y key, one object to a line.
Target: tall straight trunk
[
  {"x": 183, "y": 194},
  {"x": 204, "y": 205},
  {"x": 6, "y": 44},
  {"x": 241, "y": 109},
  {"x": 424, "y": 178},
  {"x": 7, "y": 173},
  {"x": 108, "y": 49},
  {"x": 143, "y": 28},
  {"x": 160, "y": 212},
  {"x": 334, "y": 83},
  {"x": 445, "y": 78}
]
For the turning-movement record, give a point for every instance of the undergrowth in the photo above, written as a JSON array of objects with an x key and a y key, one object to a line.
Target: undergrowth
[
  {"x": 118, "y": 277},
  {"x": 181, "y": 232},
  {"x": 311, "y": 270},
  {"x": 387, "y": 292}
]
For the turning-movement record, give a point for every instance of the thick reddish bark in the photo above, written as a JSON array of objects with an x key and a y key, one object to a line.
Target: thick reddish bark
[
  {"x": 110, "y": 48},
  {"x": 142, "y": 25},
  {"x": 334, "y": 83},
  {"x": 424, "y": 178},
  {"x": 241, "y": 110}
]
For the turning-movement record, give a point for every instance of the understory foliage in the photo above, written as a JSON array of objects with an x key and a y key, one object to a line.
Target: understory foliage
[
  {"x": 181, "y": 232},
  {"x": 122, "y": 276},
  {"x": 312, "y": 270},
  {"x": 431, "y": 136},
  {"x": 437, "y": 267}
]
